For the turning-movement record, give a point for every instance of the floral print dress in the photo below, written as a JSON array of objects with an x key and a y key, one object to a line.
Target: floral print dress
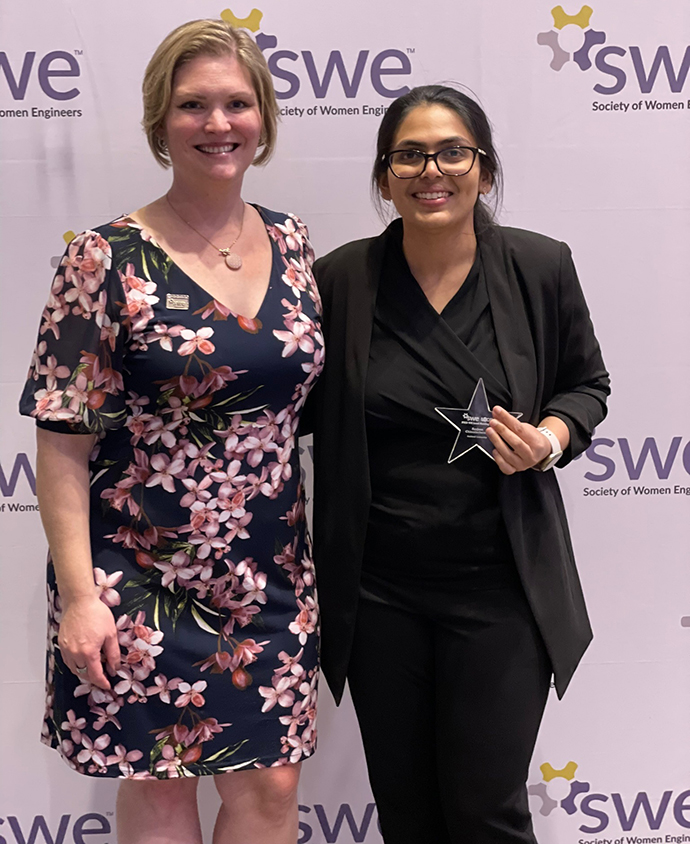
[{"x": 198, "y": 532}]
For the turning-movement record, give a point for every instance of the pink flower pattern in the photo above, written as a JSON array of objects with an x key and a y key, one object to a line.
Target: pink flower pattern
[{"x": 199, "y": 534}]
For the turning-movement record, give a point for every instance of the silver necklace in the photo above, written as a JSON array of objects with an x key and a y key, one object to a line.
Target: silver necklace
[{"x": 232, "y": 260}]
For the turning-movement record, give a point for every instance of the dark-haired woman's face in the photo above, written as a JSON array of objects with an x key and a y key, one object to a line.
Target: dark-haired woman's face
[{"x": 433, "y": 200}]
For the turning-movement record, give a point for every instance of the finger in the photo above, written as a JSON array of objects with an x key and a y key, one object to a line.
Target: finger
[
  {"x": 111, "y": 651},
  {"x": 506, "y": 418},
  {"x": 78, "y": 668},
  {"x": 71, "y": 661},
  {"x": 503, "y": 465},
  {"x": 502, "y": 448},
  {"x": 96, "y": 674},
  {"x": 66, "y": 656},
  {"x": 514, "y": 440}
]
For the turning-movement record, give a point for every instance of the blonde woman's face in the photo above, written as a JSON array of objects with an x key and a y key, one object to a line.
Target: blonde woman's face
[{"x": 213, "y": 125}]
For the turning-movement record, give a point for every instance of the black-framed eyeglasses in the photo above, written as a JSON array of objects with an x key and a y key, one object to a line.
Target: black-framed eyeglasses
[{"x": 453, "y": 161}]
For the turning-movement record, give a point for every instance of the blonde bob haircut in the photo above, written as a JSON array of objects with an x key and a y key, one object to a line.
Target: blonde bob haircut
[{"x": 205, "y": 38}]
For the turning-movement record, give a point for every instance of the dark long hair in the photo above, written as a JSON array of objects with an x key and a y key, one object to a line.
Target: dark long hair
[{"x": 471, "y": 114}]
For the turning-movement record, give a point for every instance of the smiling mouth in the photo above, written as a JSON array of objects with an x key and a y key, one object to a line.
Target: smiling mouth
[
  {"x": 437, "y": 194},
  {"x": 217, "y": 149}
]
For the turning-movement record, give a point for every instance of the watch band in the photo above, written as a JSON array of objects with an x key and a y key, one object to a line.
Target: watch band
[{"x": 556, "y": 451}]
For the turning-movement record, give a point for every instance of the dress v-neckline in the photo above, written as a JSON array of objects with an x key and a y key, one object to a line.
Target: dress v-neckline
[{"x": 127, "y": 218}]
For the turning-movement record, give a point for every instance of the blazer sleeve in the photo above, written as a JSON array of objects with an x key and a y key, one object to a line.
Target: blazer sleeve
[{"x": 582, "y": 382}]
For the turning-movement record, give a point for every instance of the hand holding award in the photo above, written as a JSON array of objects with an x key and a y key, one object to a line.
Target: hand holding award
[{"x": 518, "y": 445}]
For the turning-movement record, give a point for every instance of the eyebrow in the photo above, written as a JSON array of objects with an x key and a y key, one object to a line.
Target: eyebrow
[
  {"x": 422, "y": 145},
  {"x": 195, "y": 95}
]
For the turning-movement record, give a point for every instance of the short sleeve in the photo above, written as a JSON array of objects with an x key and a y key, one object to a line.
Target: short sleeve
[{"x": 75, "y": 382}]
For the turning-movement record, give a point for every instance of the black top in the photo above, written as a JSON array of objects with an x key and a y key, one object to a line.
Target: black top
[{"x": 428, "y": 514}]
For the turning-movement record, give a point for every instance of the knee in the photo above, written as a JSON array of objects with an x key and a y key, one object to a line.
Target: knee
[
  {"x": 279, "y": 789},
  {"x": 161, "y": 798},
  {"x": 270, "y": 792}
]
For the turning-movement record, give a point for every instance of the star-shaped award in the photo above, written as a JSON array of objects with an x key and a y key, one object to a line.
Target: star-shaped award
[{"x": 471, "y": 424}]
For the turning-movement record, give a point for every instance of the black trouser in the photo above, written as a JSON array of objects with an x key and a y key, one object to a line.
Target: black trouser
[{"x": 449, "y": 698}]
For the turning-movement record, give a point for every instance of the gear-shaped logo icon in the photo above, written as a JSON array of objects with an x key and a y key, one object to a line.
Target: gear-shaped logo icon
[
  {"x": 252, "y": 24},
  {"x": 554, "y": 793},
  {"x": 575, "y": 32}
]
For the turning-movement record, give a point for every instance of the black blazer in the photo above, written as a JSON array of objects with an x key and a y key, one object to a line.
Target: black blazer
[{"x": 554, "y": 367}]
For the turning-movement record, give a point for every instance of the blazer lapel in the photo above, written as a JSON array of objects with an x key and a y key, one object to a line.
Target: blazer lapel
[
  {"x": 513, "y": 332},
  {"x": 359, "y": 306}
]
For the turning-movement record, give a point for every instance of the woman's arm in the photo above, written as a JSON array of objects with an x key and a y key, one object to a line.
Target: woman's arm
[
  {"x": 87, "y": 627},
  {"x": 582, "y": 383},
  {"x": 578, "y": 402}
]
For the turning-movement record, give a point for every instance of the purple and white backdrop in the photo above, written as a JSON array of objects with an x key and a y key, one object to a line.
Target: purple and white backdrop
[{"x": 591, "y": 107}]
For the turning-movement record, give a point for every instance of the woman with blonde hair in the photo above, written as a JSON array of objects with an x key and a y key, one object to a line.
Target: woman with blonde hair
[{"x": 175, "y": 353}]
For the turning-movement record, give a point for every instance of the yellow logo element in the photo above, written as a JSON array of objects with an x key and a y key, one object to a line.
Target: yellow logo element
[
  {"x": 69, "y": 236},
  {"x": 550, "y": 773},
  {"x": 581, "y": 19},
  {"x": 252, "y": 22}
]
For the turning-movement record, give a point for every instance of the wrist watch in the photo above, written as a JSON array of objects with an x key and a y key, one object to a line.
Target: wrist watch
[{"x": 556, "y": 451}]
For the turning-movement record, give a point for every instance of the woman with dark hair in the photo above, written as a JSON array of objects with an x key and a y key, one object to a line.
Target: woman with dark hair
[{"x": 446, "y": 575}]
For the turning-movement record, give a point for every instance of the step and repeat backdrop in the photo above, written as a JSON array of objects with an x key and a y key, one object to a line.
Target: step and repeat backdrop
[{"x": 591, "y": 108}]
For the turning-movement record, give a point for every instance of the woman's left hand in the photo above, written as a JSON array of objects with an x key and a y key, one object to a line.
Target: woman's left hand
[{"x": 517, "y": 445}]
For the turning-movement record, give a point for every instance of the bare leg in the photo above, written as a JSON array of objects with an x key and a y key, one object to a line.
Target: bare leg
[
  {"x": 160, "y": 812},
  {"x": 259, "y": 806}
]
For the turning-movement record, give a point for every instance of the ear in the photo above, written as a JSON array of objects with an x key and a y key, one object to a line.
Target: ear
[
  {"x": 383, "y": 187},
  {"x": 485, "y": 182}
]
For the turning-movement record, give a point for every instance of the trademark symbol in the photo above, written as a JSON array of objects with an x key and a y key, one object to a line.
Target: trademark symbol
[
  {"x": 78, "y": 52},
  {"x": 410, "y": 50},
  {"x": 109, "y": 814}
]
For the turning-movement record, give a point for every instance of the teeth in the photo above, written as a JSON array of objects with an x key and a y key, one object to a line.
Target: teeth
[
  {"x": 435, "y": 195},
  {"x": 218, "y": 150}
]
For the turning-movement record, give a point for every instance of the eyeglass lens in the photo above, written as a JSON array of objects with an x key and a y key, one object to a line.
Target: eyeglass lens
[{"x": 455, "y": 161}]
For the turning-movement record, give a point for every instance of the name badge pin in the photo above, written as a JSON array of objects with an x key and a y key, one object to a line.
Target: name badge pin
[{"x": 177, "y": 301}]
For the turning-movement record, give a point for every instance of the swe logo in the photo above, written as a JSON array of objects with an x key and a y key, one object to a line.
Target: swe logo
[
  {"x": 610, "y": 456},
  {"x": 10, "y": 476},
  {"x": 559, "y": 790},
  {"x": 14, "y": 831},
  {"x": 573, "y": 39},
  {"x": 576, "y": 33},
  {"x": 293, "y": 71},
  {"x": 21, "y": 71}
]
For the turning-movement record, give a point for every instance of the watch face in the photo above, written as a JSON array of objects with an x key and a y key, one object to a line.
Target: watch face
[{"x": 550, "y": 461}]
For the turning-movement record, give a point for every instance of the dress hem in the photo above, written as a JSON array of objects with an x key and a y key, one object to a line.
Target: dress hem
[{"x": 257, "y": 763}]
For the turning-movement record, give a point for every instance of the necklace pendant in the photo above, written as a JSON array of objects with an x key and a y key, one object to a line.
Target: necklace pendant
[{"x": 232, "y": 260}]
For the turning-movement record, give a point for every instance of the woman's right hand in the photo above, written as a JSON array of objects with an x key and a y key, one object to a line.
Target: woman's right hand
[
  {"x": 88, "y": 635},
  {"x": 88, "y": 639}
]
